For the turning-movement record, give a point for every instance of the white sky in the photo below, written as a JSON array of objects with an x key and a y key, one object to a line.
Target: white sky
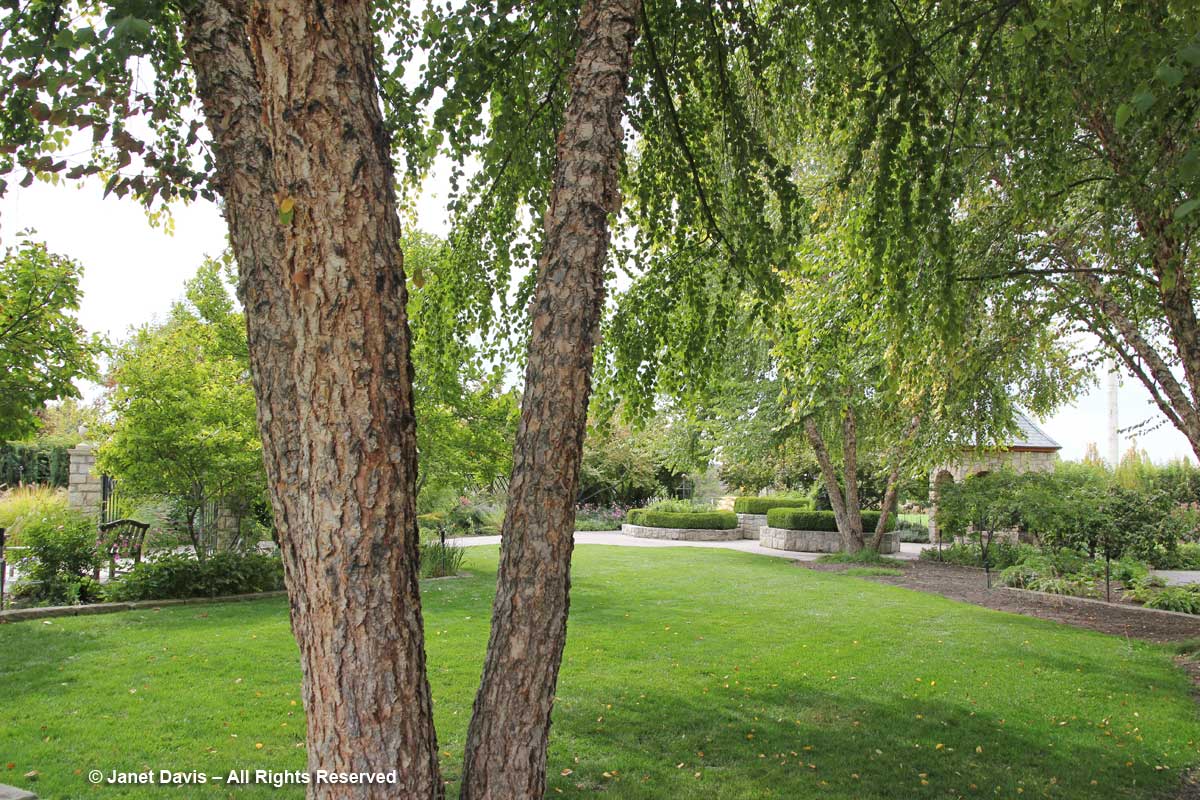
[{"x": 133, "y": 272}]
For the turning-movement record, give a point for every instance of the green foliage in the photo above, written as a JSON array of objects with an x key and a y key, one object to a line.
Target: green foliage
[
  {"x": 61, "y": 554},
  {"x": 864, "y": 556},
  {"x": 873, "y": 572},
  {"x": 1185, "y": 556},
  {"x": 626, "y": 465},
  {"x": 801, "y": 520},
  {"x": 43, "y": 348},
  {"x": 440, "y": 560},
  {"x": 599, "y": 518},
  {"x": 176, "y": 575},
  {"x": 1001, "y": 554},
  {"x": 185, "y": 420},
  {"x": 29, "y": 504},
  {"x": 1184, "y": 599},
  {"x": 761, "y": 505},
  {"x": 34, "y": 463},
  {"x": 912, "y": 531},
  {"x": 705, "y": 520}
]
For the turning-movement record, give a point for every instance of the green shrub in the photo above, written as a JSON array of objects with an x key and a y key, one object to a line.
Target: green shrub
[
  {"x": 440, "y": 560},
  {"x": 706, "y": 520},
  {"x": 799, "y": 520},
  {"x": 679, "y": 506},
  {"x": 28, "y": 503},
  {"x": 909, "y": 531},
  {"x": 61, "y": 552},
  {"x": 1019, "y": 576},
  {"x": 761, "y": 505},
  {"x": 1001, "y": 555},
  {"x": 38, "y": 463},
  {"x": 1185, "y": 599},
  {"x": 178, "y": 575},
  {"x": 1184, "y": 556}
]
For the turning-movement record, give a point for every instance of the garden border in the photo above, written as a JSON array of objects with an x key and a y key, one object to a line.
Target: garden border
[
  {"x": 682, "y": 534},
  {"x": 1099, "y": 602},
  {"x": 49, "y": 612}
]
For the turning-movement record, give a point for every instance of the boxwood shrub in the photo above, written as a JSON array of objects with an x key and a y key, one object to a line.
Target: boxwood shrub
[
  {"x": 706, "y": 520},
  {"x": 761, "y": 505},
  {"x": 800, "y": 520}
]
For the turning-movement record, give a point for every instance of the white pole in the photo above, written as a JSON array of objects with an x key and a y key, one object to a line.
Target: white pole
[{"x": 1114, "y": 444}]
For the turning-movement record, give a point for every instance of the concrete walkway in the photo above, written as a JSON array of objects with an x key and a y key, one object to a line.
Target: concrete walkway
[
  {"x": 907, "y": 550},
  {"x": 1178, "y": 577}
]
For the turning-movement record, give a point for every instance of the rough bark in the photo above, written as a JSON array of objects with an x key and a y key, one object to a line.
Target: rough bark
[
  {"x": 289, "y": 93},
  {"x": 506, "y": 742},
  {"x": 829, "y": 474},
  {"x": 854, "y": 524},
  {"x": 893, "y": 484}
]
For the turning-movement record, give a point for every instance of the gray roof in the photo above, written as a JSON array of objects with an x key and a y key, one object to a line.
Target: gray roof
[{"x": 1030, "y": 435}]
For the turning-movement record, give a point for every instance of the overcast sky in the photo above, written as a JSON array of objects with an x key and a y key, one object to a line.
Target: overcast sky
[{"x": 134, "y": 272}]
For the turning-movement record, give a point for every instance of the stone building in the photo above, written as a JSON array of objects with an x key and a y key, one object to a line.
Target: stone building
[{"x": 1031, "y": 450}]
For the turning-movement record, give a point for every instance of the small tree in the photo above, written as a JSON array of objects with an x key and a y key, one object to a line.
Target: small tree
[
  {"x": 979, "y": 507},
  {"x": 185, "y": 422}
]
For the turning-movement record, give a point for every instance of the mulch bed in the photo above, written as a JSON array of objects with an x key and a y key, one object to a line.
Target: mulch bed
[{"x": 970, "y": 585}]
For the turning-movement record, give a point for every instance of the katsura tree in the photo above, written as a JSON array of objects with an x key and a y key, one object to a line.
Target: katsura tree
[
  {"x": 43, "y": 348},
  {"x": 1068, "y": 130},
  {"x": 466, "y": 418},
  {"x": 183, "y": 412}
]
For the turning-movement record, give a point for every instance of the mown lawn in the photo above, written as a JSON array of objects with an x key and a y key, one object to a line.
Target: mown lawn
[{"x": 689, "y": 673}]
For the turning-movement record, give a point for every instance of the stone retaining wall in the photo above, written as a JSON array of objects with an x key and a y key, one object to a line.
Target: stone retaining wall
[
  {"x": 751, "y": 525},
  {"x": 682, "y": 534},
  {"x": 816, "y": 541}
]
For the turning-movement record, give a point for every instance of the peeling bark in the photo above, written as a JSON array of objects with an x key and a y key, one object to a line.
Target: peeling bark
[
  {"x": 506, "y": 743},
  {"x": 854, "y": 523},
  {"x": 289, "y": 93},
  {"x": 829, "y": 474}
]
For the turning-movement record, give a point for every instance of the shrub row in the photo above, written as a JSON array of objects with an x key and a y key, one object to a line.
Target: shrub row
[
  {"x": 799, "y": 520},
  {"x": 176, "y": 575},
  {"x": 706, "y": 520},
  {"x": 761, "y": 505}
]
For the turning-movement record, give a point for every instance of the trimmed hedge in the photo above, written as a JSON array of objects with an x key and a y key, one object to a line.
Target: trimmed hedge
[
  {"x": 761, "y": 505},
  {"x": 797, "y": 520},
  {"x": 704, "y": 520}
]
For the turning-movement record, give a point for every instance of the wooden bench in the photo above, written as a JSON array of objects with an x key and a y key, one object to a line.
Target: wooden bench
[{"x": 121, "y": 538}]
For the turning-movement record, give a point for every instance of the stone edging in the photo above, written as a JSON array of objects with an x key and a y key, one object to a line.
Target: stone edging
[
  {"x": 1070, "y": 598},
  {"x": 47, "y": 612},
  {"x": 802, "y": 541},
  {"x": 683, "y": 534}
]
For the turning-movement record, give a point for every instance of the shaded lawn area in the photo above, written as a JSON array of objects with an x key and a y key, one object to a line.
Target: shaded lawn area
[{"x": 690, "y": 673}]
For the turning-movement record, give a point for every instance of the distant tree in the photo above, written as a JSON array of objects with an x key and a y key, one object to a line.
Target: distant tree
[
  {"x": 184, "y": 416},
  {"x": 43, "y": 348}
]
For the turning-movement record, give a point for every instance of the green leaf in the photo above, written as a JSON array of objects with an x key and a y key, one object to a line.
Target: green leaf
[
  {"x": 1169, "y": 74},
  {"x": 1184, "y": 209},
  {"x": 1191, "y": 54},
  {"x": 1123, "y": 112},
  {"x": 1143, "y": 99}
]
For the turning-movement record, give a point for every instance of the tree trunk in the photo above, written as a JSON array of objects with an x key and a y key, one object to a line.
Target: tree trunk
[
  {"x": 506, "y": 741},
  {"x": 854, "y": 523},
  {"x": 288, "y": 90},
  {"x": 885, "y": 509},
  {"x": 829, "y": 473}
]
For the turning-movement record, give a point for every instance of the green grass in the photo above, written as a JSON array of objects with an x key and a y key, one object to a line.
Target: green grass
[
  {"x": 861, "y": 557},
  {"x": 920, "y": 519},
  {"x": 873, "y": 572},
  {"x": 689, "y": 673}
]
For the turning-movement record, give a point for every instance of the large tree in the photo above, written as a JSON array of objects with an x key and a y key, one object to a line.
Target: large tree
[
  {"x": 294, "y": 144},
  {"x": 43, "y": 348}
]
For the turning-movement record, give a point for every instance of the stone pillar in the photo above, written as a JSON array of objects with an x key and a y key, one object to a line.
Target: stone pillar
[{"x": 84, "y": 490}]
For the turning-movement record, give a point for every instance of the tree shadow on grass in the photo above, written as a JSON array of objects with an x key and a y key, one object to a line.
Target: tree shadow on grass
[{"x": 796, "y": 741}]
